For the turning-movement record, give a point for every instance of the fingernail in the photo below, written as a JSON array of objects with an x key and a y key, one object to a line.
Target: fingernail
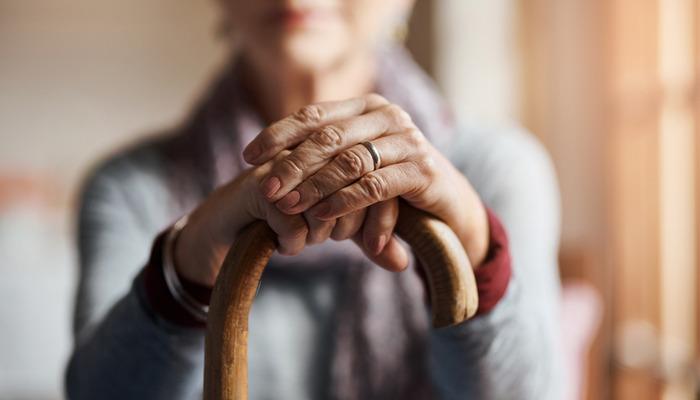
[
  {"x": 270, "y": 186},
  {"x": 290, "y": 200},
  {"x": 251, "y": 153},
  {"x": 321, "y": 210},
  {"x": 378, "y": 244}
]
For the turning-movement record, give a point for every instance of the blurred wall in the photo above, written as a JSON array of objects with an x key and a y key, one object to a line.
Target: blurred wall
[
  {"x": 77, "y": 79},
  {"x": 477, "y": 58},
  {"x": 563, "y": 101},
  {"x": 94, "y": 74}
]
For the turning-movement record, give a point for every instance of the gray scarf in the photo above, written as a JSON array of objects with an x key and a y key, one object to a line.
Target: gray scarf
[{"x": 381, "y": 320}]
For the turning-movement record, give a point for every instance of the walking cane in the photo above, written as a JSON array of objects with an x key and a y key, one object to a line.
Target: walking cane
[{"x": 450, "y": 279}]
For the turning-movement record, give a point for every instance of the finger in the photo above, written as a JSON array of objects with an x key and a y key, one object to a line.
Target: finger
[
  {"x": 291, "y": 231},
  {"x": 379, "y": 225},
  {"x": 348, "y": 225},
  {"x": 319, "y": 231},
  {"x": 405, "y": 179},
  {"x": 324, "y": 144},
  {"x": 293, "y": 129},
  {"x": 393, "y": 257},
  {"x": 347, "y": 167}
]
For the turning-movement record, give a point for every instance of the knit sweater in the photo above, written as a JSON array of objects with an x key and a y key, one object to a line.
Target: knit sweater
[{"x": 124, "y": 350}]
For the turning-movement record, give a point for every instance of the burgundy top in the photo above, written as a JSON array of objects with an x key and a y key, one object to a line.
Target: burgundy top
[{"x": 492, "y": 278}]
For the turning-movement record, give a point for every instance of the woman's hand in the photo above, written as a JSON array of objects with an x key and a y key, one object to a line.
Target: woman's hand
[
  {"x": 330, "y": 174},
  {"x": 213, "y": 225}
]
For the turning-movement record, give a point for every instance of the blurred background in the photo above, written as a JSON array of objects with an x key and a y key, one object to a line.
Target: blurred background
[{"x": 609, "y": 86}]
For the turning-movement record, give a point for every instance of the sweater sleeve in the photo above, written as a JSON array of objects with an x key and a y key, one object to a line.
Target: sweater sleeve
[
  {"x": 122, "y": 349},
  {"x": 510, "y": 352},
  {"x": 493, "y": 275}
]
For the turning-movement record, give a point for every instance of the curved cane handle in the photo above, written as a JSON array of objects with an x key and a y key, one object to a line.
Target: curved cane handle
[{"x": 450, "y": 279}]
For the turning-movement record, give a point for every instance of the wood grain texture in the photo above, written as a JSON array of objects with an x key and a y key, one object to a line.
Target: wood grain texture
[{"x": 451, "y": 283}]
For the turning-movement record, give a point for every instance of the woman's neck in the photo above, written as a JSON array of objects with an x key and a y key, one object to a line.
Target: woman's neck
[{"x": 278, "y": 92}]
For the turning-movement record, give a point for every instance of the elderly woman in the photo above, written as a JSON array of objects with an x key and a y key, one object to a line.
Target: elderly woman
[{"x": 319, "y": 125}]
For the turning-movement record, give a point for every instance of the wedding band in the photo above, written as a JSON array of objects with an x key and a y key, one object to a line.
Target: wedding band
[{"x": 376, "y": 158}]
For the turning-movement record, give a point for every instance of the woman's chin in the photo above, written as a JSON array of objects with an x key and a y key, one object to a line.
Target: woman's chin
[{"x": 312, "y": 53}]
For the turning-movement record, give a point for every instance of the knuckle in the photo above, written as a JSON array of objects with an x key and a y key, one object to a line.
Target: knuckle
[
  {"x": 330, "y": 136},
  {"x": 317, "y": 191},
  {"x": 416, "y": 138},
  {"x": 309, "y": 114},
  {"x": 373, "y": 186},
  {"x": 344, "y": 229},
  {"x": 298, "y": 231},
  {"x": 282, "y": 154},
  {"x": 374, "y": 98},
  {"x": 427, "y": 166},
  {"x": 292, "y": 166},
  {"x": 336, "y": 233},
  {"x": 420, "y": 146},
  {"x": 314, "y": 236},
  {"x": 398, "y": 115},
  {"x": 321, "y": 232},
  {"x": 351, "y": 162}
]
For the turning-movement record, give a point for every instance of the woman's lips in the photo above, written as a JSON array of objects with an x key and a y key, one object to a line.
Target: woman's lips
[{"x": 300, "y": 18}]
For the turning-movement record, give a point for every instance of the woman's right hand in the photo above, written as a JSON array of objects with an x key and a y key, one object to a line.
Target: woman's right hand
[{"x": 212, "y": 227}]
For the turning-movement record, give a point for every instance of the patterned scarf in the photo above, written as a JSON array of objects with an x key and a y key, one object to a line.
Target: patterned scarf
[{"x": 381, "y": 321}]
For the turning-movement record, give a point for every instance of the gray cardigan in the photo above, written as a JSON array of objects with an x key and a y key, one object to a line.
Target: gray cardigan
[{"x": 123, "y": 351}]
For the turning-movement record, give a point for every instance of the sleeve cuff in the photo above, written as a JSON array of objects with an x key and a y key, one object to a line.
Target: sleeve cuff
[
  {"x": 161, "y": 301},
  {"x": 492, "y": 278},
  {"x": 493, "y": 275}
]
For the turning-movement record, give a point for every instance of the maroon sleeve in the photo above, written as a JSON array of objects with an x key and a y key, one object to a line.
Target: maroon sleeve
[
  {"x": 492, "y": 278},
  {"x": 493, "y": 275},
  {"x": 158, "y": 295}
]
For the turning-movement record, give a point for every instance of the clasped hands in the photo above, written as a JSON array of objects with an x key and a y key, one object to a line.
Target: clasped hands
[{"x": 313, "y": 179}]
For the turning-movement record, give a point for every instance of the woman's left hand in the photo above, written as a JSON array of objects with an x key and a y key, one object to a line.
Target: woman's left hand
[{"x": 330, "y": 173}]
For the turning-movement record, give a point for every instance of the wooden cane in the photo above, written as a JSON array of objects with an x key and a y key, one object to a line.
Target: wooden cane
[{"x": 450, "y": 279}]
